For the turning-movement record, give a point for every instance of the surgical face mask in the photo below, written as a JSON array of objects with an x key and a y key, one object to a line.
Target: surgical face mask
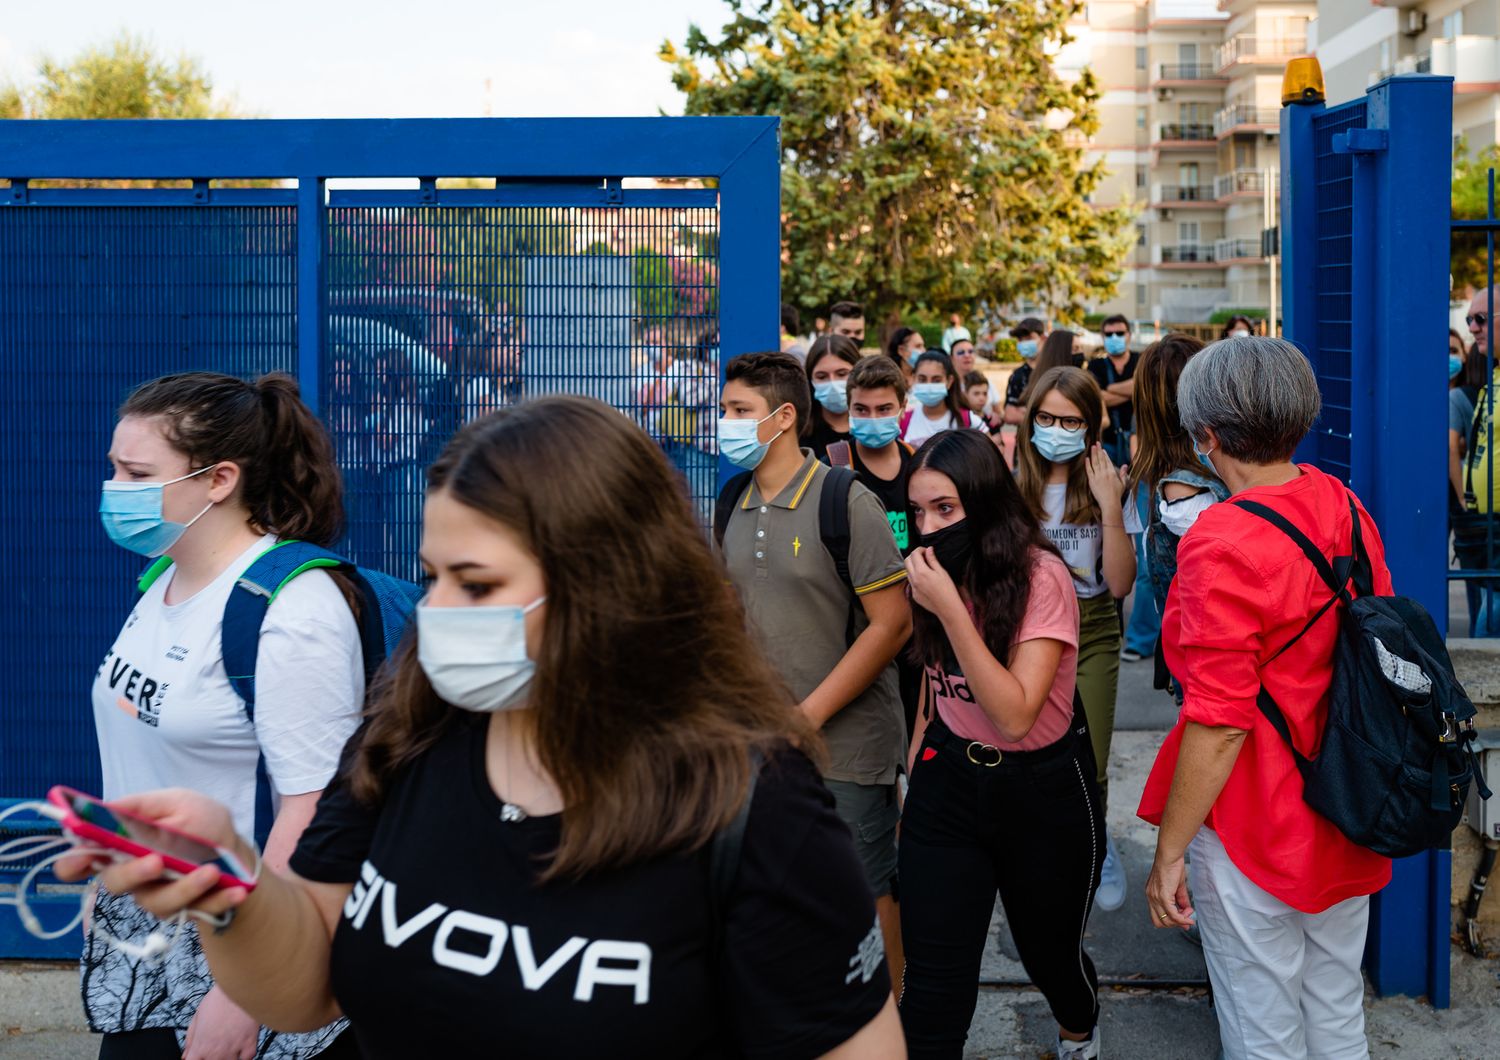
[
  {"x": 914, "y": 356},
  {"x": 1204, "y": 460},
  {"x": 476, "y": 657},
  {"x": 1114, "y": 345},
  {"x": 833, "y": 395},
  {"x": 1179, "y": 516},
  {"x": 132, "y": 515},
  {"x": 1027, "y": 348},
  {"x": 875, "y": 432},
  {"x": 1056, "y": 444},
  {"x": 1239, "y": 333},
  {"x": 739, "y": 441},
  {"x": 930, "y": 395},
  {"x": 953, "y": 546},
  {"x": 1455, "y": 365}
]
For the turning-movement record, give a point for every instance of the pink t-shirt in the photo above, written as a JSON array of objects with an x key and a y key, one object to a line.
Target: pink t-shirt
[{"x": 1051, "y": 614}]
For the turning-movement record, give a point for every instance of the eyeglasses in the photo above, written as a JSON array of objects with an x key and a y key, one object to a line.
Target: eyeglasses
[
  {"x": 1476, "y": 318},
  {"x": 1067, "y": 423},
  {"x": 1115, "y": 334}
]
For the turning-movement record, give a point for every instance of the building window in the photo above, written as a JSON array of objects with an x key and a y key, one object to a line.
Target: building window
[
  {"x": 1453, "y": 25},
  {"x": 1187, "y": 232},
  {"x": 1140, "y": 117},
  {"x": 1140, "y": 294},
  {"x": 1140, "y": 235},
  {"x": 1385, "y": 55},
  {"x": 1140, "y": 176},
  {"x": 1140, "y": 58}
]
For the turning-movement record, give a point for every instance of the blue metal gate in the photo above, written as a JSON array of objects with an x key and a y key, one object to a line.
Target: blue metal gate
[
  {"x": 620, "y": 258},
  {"x": 1365, "y": 223}
]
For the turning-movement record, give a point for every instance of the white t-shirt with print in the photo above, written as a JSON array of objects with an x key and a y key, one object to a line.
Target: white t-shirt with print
[
  {"x": 167, "y": 716},
  {"x": 1082, "y": 547},
  {"x": 921, "y": 428}
]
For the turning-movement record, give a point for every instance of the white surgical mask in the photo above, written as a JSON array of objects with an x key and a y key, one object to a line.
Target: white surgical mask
[
  {"x": 476, "y": 657},
  {"x": 1179, "y": 516}
]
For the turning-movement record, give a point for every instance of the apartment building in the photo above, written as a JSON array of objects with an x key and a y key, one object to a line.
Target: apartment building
[
  {"x": 1359, "y": 42},
  {"x": 1189, "y": 133}
]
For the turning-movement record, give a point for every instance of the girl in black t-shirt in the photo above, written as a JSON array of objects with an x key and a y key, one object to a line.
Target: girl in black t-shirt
[
  {"x": 576, "y": 821},
  {"x": 828, "y": 365}
]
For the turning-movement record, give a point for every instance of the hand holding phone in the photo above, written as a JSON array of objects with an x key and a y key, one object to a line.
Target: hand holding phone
[{"x": 115, "y": 828}]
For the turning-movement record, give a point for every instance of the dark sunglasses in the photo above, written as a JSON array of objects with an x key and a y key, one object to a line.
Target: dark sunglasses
[
  {"x": 1476, "y": 318},
  {"x": 1115, "y": 334}
]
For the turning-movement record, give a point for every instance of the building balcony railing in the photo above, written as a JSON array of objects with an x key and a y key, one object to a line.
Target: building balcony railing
[
  {"x": 1241, "y": 181},
  {"x": 1185, "y": 131},
  {"x": 1187, "y": 254},
  {"x": 1470, "y": 61},
  {"x": 1186, "y": 72},
  {"x": 1237, "y": 249},
  {"x": 1407, "y": 64},
  {"x": 1254, "y": 49},
  {"x": 1203, "y": 193},
  {"x": 1243, "y": 114}
]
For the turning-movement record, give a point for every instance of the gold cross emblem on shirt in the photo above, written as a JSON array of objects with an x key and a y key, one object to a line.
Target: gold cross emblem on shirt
[{"x": 796, "y": 546}]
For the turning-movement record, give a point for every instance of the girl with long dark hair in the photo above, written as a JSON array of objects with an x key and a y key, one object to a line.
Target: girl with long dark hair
[
  {"x": 526, "y": 842},
  {"x": 940, "y": 403},
  {"x": 1003, "y": 796},
  {"x": 828, "y": 365}
]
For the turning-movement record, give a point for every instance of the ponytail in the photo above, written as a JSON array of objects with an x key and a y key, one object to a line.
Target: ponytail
[{"x": 289, "y": 479}]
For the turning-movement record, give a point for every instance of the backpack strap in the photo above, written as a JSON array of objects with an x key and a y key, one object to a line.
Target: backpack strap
[
  {"x": 724, "y": 863},
  {"x": 840, "y": 454},
  {"x": 1311, "y": 551},
  {"x": 905, "y": 421},
  {"x": 963, "y": 416},
  {"x": 833, "y": 519},
  {"x": 729, "y": 496},
  {"x": 150, "y": 575}
]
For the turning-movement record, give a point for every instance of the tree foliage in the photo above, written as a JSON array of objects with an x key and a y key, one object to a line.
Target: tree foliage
[
  {"x": 933, "y": 155},
  {"x": 1471, "y": 184}
]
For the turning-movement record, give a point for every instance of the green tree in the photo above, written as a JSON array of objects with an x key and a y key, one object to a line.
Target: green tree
[
  {"x": 1471, "y": 185},
  {"x": 933, "y": 156},
  {"x": 125, "y": 78}
]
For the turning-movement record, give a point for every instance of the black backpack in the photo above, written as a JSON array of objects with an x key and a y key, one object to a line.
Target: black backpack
[{"x": 1395, "y": 761}]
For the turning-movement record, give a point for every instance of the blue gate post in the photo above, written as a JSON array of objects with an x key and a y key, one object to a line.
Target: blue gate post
[
  {"x": 312, "y": 289},
  {"x": 1383, "y": 189}
]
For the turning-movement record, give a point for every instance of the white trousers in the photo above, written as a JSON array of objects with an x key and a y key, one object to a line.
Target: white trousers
[{"x": 1287, "y": 984}]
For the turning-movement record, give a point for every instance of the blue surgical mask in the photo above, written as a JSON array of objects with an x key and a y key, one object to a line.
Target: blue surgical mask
[
  {"x": 1204, "y": 460},
  {"x": 739, "y": 441},
  {"x": 475, "y": 657},
  {"x": 833, "y": 395},
  {"x": 930, "y": 395},
  {"x": 914, "y": 356},
  {"x": 876, "y": 432},
  {"x": 1455, "y": 365},
  {"x": 132, "y": 515},
  {"x": 1056, "y": 444},
  {"x": 1114, "y": 345},
  {"x": 1027, "y": 348}
]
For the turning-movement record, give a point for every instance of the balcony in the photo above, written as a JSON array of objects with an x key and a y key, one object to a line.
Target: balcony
[
  {"x": 1407, "y": 64},
  {"x": 1226, "y": 250},
  {"x": 1472, "y": 62},
  {"x": 1187, "y": 72},
  {"x": 1245, "y": 117},
  {"x": 1240, "y": 182},
  {"x": 1187, "y": 254},
  {"x": 1189, "y": 195},
  {"x": 1185, "y": 133},
  {"x": 1248, "y": 48}
]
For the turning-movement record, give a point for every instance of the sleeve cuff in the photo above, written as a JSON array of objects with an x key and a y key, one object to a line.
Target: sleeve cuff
[
  {"x": 894, "y": 578},
  {"x": 1220, "y": 713}
]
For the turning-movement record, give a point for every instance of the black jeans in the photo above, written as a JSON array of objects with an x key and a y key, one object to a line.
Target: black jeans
[{"x": 1029, "y": 827}]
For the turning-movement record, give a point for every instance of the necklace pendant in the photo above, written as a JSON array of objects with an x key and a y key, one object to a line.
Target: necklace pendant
[{"x": 510, "y": 813}]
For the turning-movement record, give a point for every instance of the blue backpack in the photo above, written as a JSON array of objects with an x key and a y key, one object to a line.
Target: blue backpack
[{"x": 386, "y": 606}]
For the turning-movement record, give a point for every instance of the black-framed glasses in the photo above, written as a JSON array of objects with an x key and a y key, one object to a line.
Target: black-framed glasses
[
  {"x": 1477, "y": 318},
  {"x": 1115, "y": 334},
  {"x": 1067, "y": 423}
]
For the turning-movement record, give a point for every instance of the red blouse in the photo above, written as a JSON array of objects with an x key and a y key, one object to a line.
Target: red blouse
[{"x": 1243, "y": 590}]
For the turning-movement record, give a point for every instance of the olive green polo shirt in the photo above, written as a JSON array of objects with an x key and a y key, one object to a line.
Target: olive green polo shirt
[{"x": 798, "y": 607}]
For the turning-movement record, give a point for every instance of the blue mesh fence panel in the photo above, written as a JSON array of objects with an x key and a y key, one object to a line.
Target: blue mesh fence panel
[
  {"x": 440, "y": 314},
  {"x": 96, "y": 300},
  {"x": 1335, "y": 231}
]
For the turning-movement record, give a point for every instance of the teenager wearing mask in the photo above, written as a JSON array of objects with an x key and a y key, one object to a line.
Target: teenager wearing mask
[
  {"x": 828, "y": 365},
  {"x": 1178, "y": 484},
  {"x": 211, "y": 471},
  {"x": 847, "y": 319},
  {"x": 1238, "y": 328},
  {"x": 518, "y": 845},
  {"x": 833, "y": 635},
  {"x": 1057, "y": 352},
  {"x": 903, "y": 347},
  {"x": 1078, "y": 495},
  {"x": 939, "y": 399},
  {"x": 1003, "y": 797},
  {"x": 1028, "y": 334}
]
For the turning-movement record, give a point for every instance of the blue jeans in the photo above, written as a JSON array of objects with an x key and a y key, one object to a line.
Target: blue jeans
[{"x": 1145, "y": 622}]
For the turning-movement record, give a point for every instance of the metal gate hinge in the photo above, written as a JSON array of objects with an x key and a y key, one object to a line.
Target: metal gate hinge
[
  {"x": 1360, "y": 142},
  {"x": 614, "y": 192},
  {"x": 20, "y": 192}
]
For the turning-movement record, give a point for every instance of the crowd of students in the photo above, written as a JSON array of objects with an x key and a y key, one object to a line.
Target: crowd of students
[{"x": 596, "y": 802}]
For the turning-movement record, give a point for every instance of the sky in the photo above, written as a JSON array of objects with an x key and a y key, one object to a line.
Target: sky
[{"x": 379, "y": 58}]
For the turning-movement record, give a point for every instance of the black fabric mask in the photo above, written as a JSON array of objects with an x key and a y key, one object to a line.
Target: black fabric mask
[{"x": 953, "y": 546}]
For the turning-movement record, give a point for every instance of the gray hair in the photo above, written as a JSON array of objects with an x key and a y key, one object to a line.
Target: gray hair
[{"x": 1259, "y": 395}]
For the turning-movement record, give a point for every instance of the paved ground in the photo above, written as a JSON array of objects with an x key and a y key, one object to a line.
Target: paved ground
[{"x": 1154, "y": 1004}]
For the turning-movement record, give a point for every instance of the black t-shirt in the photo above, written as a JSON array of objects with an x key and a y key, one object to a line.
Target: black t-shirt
[
  {"x": 892, "y": 493},
  {"x": 1105, "y": 373},
  {"x": 448, "y": 947},
  {"x": 823, "y": 435},
  {"x": 1017, "y": 385}
]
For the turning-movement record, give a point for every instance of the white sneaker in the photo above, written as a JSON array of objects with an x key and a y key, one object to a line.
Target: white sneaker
[
  {"x": 1111, "y": 893},
  {"x": 1088, "y": 1050}
]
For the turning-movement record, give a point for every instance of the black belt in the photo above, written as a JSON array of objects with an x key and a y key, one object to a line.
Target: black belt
[{"x": 990, "y": 756}]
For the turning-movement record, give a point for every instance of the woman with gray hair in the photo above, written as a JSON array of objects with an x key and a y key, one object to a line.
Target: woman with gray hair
[{"x": 1282, "y": 897}]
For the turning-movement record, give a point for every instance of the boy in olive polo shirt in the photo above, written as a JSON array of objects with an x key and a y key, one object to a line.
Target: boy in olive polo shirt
[{"x": 799, "y": 607}]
